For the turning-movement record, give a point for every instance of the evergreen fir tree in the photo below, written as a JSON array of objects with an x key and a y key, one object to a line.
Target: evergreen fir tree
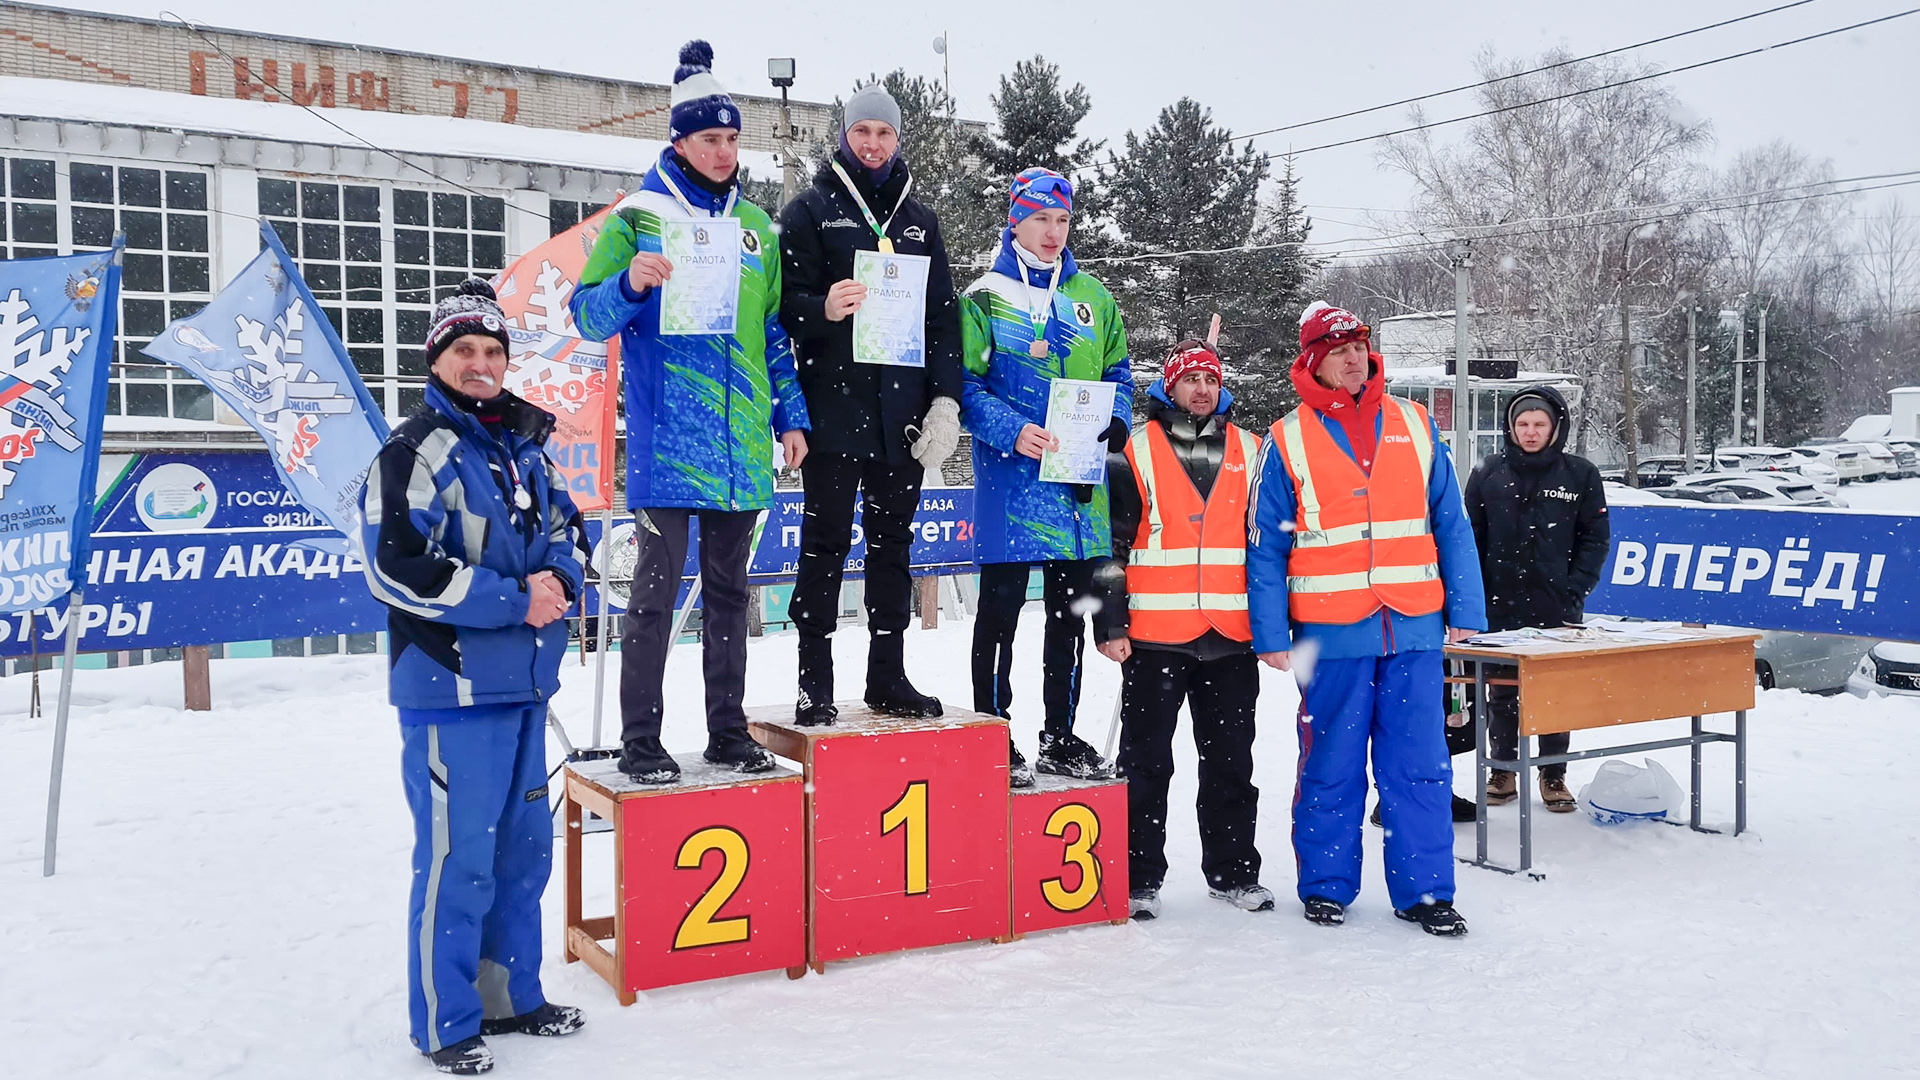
[
  {"x": 1037, "y": 122},
  {"x": 1183, "y": 187},
  {"x": 1260, "y": 348}
]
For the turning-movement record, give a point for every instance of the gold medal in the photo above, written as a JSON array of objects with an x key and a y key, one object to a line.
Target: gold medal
[
  {"x": 886, "y": 246},
  {"x": 1038, "y": 350}
]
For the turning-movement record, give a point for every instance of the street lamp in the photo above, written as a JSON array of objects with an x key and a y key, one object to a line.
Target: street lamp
[{"x": 780, "y": 71}]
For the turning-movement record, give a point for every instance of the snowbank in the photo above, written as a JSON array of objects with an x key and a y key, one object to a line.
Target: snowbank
[{"x": 232, "y": 892}]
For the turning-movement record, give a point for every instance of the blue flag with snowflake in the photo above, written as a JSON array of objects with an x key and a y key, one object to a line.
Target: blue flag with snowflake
[
  {"x": 266, "y": 348},
  {"x": 57, "y": 319}
]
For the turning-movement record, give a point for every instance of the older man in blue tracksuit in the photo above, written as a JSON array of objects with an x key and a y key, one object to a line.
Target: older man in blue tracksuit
[
  {"x": 476, "y": 549},
  {"x": 1359, "y": 559}
]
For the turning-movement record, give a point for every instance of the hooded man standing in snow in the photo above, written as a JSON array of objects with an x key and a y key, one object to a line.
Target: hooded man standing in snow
[
  {"x": 1034, "y": 317},
  {"x": 701, "y": 409},
  {"x": 1540, "y": 521},
  {"x": 477, "y": 551},
  {"x": 1174, "y": 612},
  {"x": 878, "y": 428},
  {"x": 1357, "y": 544}
]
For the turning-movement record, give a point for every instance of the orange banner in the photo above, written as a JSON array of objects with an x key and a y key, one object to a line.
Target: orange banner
[{"x": 557, "y": 370}]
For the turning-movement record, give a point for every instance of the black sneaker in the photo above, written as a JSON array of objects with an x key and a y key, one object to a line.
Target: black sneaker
[
  {"x": 468, "y": 1057},
  {"x": 734, "y": 748},
  {"x": 808, "y": 713},
  {"x": 647, "y": 762},
  {"x": 1019, "y": 773},
  {"x": 1143, "y": 905},
  {"x": 1070, "y": 755},
  {"x": 1324, "y": 912},
  {"x": 548, "y": 1019},
  {"x": 1437, "y": 918}
]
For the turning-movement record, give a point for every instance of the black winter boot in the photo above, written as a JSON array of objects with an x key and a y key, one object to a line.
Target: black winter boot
[
  {"x": 549, "y": 1019},
  {"x": 468, "y": 1057},
  {"x": 648, "y": 762},
  {"x": 888, "y": 691},
  {"x": 1437, "y": 918},
  {"x": 734, "y": 748},
  {"x": 813, "y": 707}
]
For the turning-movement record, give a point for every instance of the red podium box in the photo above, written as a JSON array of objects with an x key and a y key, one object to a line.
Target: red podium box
[
  {"x": 1069, "y": 853},
  {"x": 708, "y": 875},
  {"x": 907, "y": 828}
]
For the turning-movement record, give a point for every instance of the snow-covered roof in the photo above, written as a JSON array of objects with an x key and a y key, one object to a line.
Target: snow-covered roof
[
  {"x": 440, "y": 136},
  {"x": 1870, "y": 426}
]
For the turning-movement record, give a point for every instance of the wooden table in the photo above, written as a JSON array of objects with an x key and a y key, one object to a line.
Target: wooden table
[{"x": 1581, "y": 685}]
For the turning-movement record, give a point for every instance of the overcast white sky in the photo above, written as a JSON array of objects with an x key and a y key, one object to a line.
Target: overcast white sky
[{"x": 1256, "y": 64}]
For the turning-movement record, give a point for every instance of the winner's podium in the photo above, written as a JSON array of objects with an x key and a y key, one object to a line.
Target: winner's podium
[
  {"x": 1069, "y": 853},
  {"x": 707, "y": 875},
  {"x": 907, "y": 826}
]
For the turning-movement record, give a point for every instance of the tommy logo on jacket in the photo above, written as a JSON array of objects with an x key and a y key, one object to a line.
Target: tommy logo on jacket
[{"x": 1562, "y": 494}]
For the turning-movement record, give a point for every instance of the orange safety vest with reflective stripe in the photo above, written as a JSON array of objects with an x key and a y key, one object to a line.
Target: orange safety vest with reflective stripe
[
  {"x": 1187, "y": 572},
  {"x": 1360, "y": 541}
]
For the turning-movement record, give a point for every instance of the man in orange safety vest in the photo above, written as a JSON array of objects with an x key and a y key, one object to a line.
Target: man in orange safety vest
[
  {"x": 1174, "y": 614},
  {"x": 1360, "y": 566}
]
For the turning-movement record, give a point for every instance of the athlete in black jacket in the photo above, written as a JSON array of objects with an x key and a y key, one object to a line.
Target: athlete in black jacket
[
  {"x": 879, "y": 426},
  {"x": 1539, "y": 517}
]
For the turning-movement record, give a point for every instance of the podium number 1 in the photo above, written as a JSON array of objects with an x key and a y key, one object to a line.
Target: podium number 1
[
  {"x": 700, "y": 928},
  {"x": 1079, "y": 853},
  {"x": 911, "y": 811}
]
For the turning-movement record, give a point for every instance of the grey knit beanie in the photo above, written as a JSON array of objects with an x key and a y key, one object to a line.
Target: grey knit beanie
[{"x": 872, "y": 103}]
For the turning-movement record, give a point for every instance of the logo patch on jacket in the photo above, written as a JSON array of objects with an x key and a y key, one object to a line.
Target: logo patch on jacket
[
  {"x": 537, "y": 794},
  {"x": 914, "y": 232},
  {"x": 1561, "y": 494},
  {"x": 838, "y": 223},
  {"x": 1083, "y": 313},
  {"x": 750, "y": 241}
]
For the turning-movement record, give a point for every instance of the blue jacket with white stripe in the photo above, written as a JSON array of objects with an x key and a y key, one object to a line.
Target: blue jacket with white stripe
[
  {"x": 1270, "y": 540},
  {"x": 449, "y": 552}
]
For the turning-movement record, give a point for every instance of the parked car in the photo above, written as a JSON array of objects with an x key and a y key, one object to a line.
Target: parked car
[
  {"x": 1846, "y": 463},
  {"x": 1876, "y": 461},
  {"x": 1655, "y": 472},
  {"x": 1905, "y": 457},
  {"x": 1813, "y": 662},
  {"x": 1778, "y": 459},
  {"x": 1891, "y": 668},
  {"x": 1619, "y": 494},
  {"x": 1776, "y": 489}
]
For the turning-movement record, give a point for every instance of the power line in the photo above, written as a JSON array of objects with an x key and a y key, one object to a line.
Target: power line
[{"x": 1524, "y": 74}]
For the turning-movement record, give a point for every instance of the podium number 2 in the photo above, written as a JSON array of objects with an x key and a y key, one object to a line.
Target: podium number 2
[
  {"x": 700, "y": 928},
  {"x": 911, "y": 811},
  {"x": 1079, "y": 853}
]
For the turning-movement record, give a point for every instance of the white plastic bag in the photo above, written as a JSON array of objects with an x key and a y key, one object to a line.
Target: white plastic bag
[{"x": 1621, "y": 792}]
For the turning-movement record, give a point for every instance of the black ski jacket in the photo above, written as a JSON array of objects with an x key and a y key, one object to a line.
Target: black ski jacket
[
  {"x": 1540, "y": 521},
  {"x": 862, "y": 410}
]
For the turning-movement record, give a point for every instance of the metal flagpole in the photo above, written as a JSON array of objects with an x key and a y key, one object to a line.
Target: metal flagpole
[
  {"x": 600, "y": 655},
  {"x": 75, "y": 614}
]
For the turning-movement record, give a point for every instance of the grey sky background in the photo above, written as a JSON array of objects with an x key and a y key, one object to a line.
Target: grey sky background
[{"x": 1851, "y": 98}]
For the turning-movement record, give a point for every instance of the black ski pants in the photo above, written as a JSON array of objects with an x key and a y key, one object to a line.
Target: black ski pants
[
  {"x": 1503, "y": 724},
  {"x": 726, "y": 543},
  {"x": 888, "y": 498},
  {"x": 1003, "y": 591},
  {"x": 1220, "y": 696}
]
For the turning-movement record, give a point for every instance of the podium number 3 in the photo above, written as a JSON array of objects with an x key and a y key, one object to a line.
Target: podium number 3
[
  {"x": 700, "y": 928},
  {"x": 911, "y": 811},
  {"x": 1079, "y": 853}
]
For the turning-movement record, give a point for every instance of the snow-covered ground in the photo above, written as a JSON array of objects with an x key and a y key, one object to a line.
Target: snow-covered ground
[
  {"x": 1892, "y": 496},
  {"x": 232, "y": 891}
]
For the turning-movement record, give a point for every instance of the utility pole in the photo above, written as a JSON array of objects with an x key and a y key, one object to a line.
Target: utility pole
[
  {"x": 781, "y": 73},
  {"x": 1462, "y": 258},
  {"x": 1760, "y": 387},
  {"x": 1739, "y": 373},
  {"x": 1693, "y": 355},
  {"x": 1632, "y": 434}
]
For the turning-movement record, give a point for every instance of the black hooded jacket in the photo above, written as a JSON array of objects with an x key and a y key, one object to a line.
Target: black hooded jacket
[
  {"x": 862, "y": 410},
  {"x": 1540, "y": 521}
]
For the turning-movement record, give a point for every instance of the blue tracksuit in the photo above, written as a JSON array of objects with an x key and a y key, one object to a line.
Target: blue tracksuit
[
  {"x": 1378, "y": 682},
  {"x": 476, "y": 782}
]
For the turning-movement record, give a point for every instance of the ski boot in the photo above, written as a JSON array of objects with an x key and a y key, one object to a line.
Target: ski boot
[
  {"x": 1070, "y": 755},
  {"x": 646, "y": 761},
  {"x": 735, "y": 749}
]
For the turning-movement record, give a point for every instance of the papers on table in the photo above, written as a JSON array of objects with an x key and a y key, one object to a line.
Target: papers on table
[
  {"x": 1078, "y": 414},
  {"x": 891, "y": 325},
  {"x": 703, "y": 295},
  {"x": 1594, "y": 632}
]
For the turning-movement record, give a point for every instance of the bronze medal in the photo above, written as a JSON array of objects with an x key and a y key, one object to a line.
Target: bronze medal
[{"x": 1038, "y": 350}]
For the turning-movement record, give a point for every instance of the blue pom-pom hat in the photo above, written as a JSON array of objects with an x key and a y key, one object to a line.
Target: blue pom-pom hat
[{"x": 699, "y": 101}]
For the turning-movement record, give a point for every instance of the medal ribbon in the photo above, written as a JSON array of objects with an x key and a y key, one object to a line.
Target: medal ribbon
[{"x": 879, "y": 230}]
